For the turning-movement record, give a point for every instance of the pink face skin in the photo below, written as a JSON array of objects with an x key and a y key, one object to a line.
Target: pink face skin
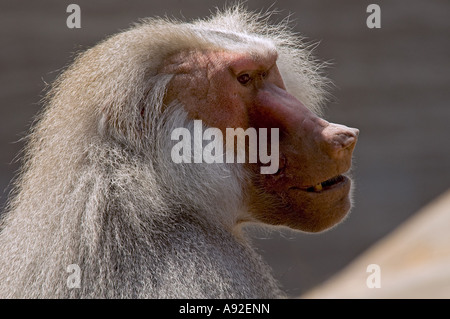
[{"x": 229, "y": 89}]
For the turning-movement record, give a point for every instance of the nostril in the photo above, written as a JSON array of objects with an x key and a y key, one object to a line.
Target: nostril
[
  {"x": 339, "y": 140},
  {"x": 344, "y": 143},
  {"x": 345, "y": 140}
]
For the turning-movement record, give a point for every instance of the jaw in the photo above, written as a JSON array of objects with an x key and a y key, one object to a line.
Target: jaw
[
  {"x": 319, "y": 210},
  {"x": 304, "y": 208}
]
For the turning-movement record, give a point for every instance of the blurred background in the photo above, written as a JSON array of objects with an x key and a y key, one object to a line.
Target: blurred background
[{"x": 392, "y": 83}]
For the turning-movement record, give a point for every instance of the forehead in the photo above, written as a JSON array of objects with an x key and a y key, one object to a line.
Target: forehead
[
  {"x": 213, "y": 61},
  {"x": 223, "y": 50},
  {"x": 241, "y": 46}
]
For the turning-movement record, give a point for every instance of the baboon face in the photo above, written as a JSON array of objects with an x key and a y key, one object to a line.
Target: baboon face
[{"x": 226, "y": 89}]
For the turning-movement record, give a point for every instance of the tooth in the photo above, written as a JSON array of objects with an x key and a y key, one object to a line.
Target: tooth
[{"x": 318, "y": 187}]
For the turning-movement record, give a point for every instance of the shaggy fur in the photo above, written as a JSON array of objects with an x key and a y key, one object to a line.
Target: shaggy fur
[{"x": 98, "y": 187}]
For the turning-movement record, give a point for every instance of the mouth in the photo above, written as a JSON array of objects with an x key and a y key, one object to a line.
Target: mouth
[{"x": 329, "y": 184}]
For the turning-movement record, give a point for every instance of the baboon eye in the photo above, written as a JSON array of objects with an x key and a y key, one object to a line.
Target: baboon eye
[
  {"x": 264, "y": 74},
  {"x": 244, "y": 78}
]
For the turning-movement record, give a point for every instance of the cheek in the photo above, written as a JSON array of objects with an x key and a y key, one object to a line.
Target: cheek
[
  {"x": 207, "y": 90},
  {"x": 225, "y": 110},
  {"x": 219, "y": 107}
]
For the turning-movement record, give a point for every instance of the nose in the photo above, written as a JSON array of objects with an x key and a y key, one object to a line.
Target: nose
[{"x": 339, "y": 140}]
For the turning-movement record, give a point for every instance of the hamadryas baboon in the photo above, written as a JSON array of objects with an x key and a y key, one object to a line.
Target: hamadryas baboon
[{"x": 99, "y": 188}]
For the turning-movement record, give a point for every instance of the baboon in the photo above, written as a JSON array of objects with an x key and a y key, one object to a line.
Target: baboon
[{"x": 99, "y": 188}]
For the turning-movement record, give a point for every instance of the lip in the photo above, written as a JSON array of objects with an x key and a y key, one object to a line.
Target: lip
[{"x": 331, "y": 184}]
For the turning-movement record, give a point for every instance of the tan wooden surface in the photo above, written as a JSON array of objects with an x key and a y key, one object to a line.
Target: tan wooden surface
[{"x": 414, "y": 261}]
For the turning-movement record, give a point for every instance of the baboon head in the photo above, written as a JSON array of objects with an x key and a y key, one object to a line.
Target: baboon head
[
  {"x": 244, "y": 88},
  {"x": 229, "y": 72}
]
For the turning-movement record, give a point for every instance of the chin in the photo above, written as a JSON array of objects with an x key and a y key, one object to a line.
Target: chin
[{"x": 308, "y": 210}]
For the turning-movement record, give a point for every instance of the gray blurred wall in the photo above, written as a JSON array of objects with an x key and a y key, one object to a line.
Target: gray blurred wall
[{"x": 392, "y": 83}]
